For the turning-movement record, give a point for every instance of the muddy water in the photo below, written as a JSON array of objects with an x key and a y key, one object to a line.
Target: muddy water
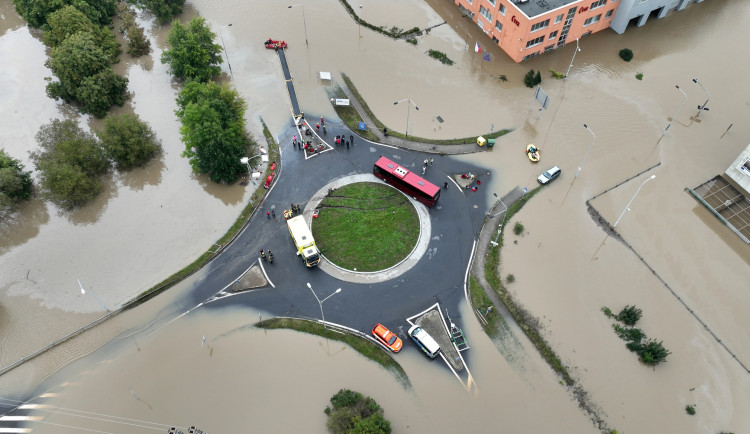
[
  {"x": 131, "y": 237},
  {"x": 627, "y": 116},
  {"x": 261, "y": 378}
]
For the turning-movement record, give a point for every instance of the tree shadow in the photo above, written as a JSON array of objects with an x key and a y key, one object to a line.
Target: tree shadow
[
  {"x": 23, "y": 224},
  {"x": 92, "y": 212},
  {"x": 229, "y": 194},
  {"x": 139, "y": 177}
]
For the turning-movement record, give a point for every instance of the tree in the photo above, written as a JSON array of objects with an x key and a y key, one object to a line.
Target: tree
[
  {"x": 538, "y": 77},
  {"x": 356, "y": 414},
  {"x": 15, "y": 183},
  {"x": 164, "y": 10},
  {"x": 36, "y": 12},
  {"x": 213, "y": 129},
  {"x": 630, "y": 315},
  {"x": 138, "y": 44},
  {"x": 128, "y": 141},
  {"x": 84, "y": 75},
  {"x": 68, "y": 21},
  {"x": 101, "y": 91},
  {"x": 626, "y": 54},
  {"x": 193, "y": 54},
  {"x": 70, "y": 163},
  {"x": 528, "y": 79}
]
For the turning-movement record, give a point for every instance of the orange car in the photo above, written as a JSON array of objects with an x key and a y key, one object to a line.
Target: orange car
[{"x": 387, "y": 338}]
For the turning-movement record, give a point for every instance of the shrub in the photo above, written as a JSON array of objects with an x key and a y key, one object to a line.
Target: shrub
[
  {"x": 354, "y": 413},
  {"x": 557, "y": 75},
  {"x": 510, "y": 278},
  {"x": 518, "y": 228},
  {"x": 412, "y": 41},
  {"x": 690, "y": 409},
  {"x": 128, "y": 141},
  {"x": 639, "y": 76},
  {"x": 629, "y": 315},
  {"x": 528, "y": 79},
  {"x": 15, "y": 183},
  {"x": 626, "y": 54},
  {"x": 440, "y": 56},
  {"x": 628, "y": 333},
  {"x": 70, "y": 164},
  {"x": 653, "y": 353}
]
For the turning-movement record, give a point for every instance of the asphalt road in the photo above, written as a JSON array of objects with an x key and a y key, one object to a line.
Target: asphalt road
[{"x": 438, "y": 276}]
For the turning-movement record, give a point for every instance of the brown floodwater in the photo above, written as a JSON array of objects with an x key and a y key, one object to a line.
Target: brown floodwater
[{"x": 565, "y": 269}]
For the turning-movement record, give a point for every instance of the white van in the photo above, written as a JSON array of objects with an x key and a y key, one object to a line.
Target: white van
[{"x": 424, "y": 341}]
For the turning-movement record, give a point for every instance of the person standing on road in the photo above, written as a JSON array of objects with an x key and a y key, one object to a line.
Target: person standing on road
[
  {"x": 445, "y": 185},
  {"x": 273, "y": 214},
  {"x": 268, "y": 214},
  {"x": 322, "y": 121},
  {"x": 431, "y": 161},
  {"x": 347, "y": 145},
  {"x": 262, "y": 254},
  {"x": 351, "y": 139}
]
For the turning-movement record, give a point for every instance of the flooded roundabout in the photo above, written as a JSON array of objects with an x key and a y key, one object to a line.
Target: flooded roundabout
[{"x": 149, "y": 368}]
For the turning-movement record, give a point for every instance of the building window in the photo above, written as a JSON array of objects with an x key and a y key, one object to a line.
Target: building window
[
  {"x": 609, "y": 13},
  {"x": 598, "y": 4},
  {"x": 553, "y": 35},
  {"x": 535, "y": 42},
  {"x": 592, "y": 20},
  {"x": 540, "y": 25},
  {"x": 499, "y": 26},
  {"x": 558, "y": 18},
  {"x": 502, "y": 9},
  {"x": 468, "y": 1},
  {"x": 483, "y": 11},
  {"x": 492, "y": 2}
]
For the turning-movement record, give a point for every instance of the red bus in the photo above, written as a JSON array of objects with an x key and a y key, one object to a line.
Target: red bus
[{"x": 407, "y": 181}]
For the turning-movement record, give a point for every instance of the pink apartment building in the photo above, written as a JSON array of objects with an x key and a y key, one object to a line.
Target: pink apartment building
[{"x": 526, "y": 28}]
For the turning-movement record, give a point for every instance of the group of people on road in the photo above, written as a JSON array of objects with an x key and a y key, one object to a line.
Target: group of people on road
[
  {"x": 263, "y": 256},
  {"x": 342, "y": 141}
]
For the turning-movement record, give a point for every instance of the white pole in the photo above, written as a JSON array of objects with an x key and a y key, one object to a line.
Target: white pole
[
  {"x": 631, "y": 200},
  {"x": 587, "y": 152}
]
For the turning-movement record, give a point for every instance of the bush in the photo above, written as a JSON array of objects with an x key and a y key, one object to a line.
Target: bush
[
  {"x": 442, "y": 57},
  {"x": 639, "y": 76},
  {"x": 629, "y": 315},
  {"x": 653, "y": 353},
  {"x": 70, "y": 164},
  {"x": 518, "y": 228},
  {"x": 15, "y": 183},
  {"x": 528, "y": 79},
  {"x": 510, "y": 278},
  {"x": 629, "y": 334},
  {"x": 354, "y": 413},
  {"x": 128, "y": 141},
  {"x": 557, "y": 75},
  {"x": 690, "y": 409},
  {"x": 626, "y": 54},
  {"x": 192, "y": 55}
]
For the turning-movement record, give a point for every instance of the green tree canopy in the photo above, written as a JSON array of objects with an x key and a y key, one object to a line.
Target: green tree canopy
[
  {"x": 68, "y": 21},
  {"x": 70, "y": 163},
  {"x": 36, "y": 12},
  {"x": 15, "y": 183},
  {"x": 353, "y": 413},
  {"x": 193, "y": 54},
  {"x": 213, "y": 129},
  {"x": 128, "y": 141},
  {"x": 164, "y": 10},
  {"x": 84, "y": 75}
]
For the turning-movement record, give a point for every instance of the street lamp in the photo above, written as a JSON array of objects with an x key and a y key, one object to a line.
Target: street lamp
[
  {"x": 303, "y": 20},
  {"x": 571, "y": 60},
  {"x": 320, "y": 303},
  {"x": 83, "y": 291},
  {"x": 708, "y": 96},
  {"x": 627, "y": 207},
  {"x": 407, "y": 113},
  {"x": 505, "y": 214},
  {"x": 678, "y": 110},
  {"x": 587, "y": 152},
  {"x": 225, "y": 48}
]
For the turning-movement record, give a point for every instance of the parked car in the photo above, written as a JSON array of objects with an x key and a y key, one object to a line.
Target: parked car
[
  {"x": 549, "y": 175},
  {"x": 387, "y": 337}
]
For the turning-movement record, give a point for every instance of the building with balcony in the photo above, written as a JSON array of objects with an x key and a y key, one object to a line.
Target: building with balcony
[{"x": 526, "y": 28}]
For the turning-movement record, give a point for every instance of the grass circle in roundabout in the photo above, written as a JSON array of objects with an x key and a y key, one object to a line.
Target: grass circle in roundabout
[{"x": 366, "y": 226}]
